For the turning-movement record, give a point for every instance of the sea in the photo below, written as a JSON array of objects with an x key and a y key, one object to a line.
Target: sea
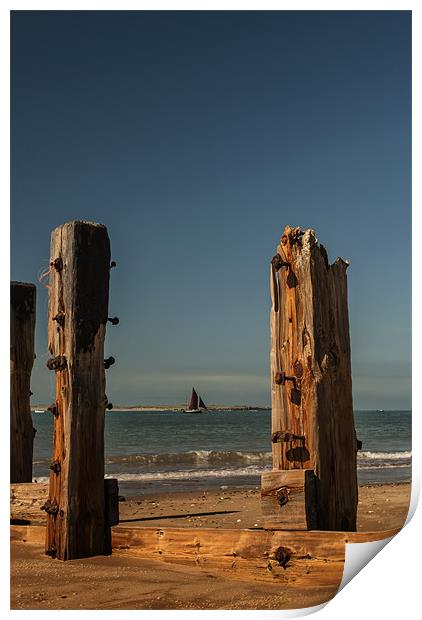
[{"x": 168, "y": 451}]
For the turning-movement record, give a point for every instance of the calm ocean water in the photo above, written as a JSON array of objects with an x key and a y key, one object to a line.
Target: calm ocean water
[{"x": 168, "y": 451}]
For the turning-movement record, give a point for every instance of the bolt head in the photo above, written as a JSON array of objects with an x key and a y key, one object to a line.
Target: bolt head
[{"x": 280, "y": 378}]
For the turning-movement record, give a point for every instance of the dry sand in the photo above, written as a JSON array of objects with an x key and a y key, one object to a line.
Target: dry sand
[
  {"x": 119, "y": 582},
  {"x": 381, "y": 507}
]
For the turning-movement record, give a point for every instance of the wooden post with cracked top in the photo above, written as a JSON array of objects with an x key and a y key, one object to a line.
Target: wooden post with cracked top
[
  {"x": 77, "y": 314},
  {"x": 22, "y": 330},
  {"x": 312, "y": 410}
]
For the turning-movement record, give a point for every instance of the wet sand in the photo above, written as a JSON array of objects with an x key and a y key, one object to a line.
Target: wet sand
[{"x": 123, "y": 582}]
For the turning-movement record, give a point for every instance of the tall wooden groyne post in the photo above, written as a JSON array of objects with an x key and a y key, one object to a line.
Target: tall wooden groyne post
[
  {"x": 22, "y": 330},
  {"x": 77, "y": 315},
  {"x": 313, "y": 484}
]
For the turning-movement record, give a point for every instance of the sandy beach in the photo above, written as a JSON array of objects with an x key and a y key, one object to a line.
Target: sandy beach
[{"x": 124, "y": 582}]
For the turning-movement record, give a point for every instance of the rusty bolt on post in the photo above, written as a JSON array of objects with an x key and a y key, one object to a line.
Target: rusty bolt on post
[
  {"x": 286, "y": 436},
  {"x": 281, "y": 378},
  {"x": 282, "y": 556},
  {"x": 56, "y": 467},
  {"x": 52, "y": 552},
  {"x": 59, "y": 318},
  {"x": 50, "y": 508},
  {"x": 53, "y": 409},
  {"x": 109, "y": 362},
  {"x": 57, "y": 363},
  {"x": 54, "y": 508},
  {"x": 114, "y": 320}
]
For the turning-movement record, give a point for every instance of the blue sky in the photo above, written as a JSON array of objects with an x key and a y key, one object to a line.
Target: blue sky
[{"x": 195, "y": 137}]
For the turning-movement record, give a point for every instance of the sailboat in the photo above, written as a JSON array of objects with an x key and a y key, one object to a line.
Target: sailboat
[{"x": 196, "y": 404}]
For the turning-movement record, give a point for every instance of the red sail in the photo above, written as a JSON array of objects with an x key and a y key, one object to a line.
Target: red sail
[
  {"x": 202, "y": 405},
  {"x": 193, "y": 400}
]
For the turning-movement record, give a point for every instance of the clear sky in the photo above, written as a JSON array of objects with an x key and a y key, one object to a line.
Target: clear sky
[{"x": 195, "y": 137}]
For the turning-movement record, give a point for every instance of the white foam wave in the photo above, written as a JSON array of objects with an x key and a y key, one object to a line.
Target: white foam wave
[
  {"x": 390, "y": 456},
  {"x": 384, "y": 466},
  {"x": 192, "y": 457},
  {"x": 190, "y": 475}
]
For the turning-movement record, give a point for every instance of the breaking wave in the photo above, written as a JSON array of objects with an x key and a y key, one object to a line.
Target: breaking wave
[
  {"x": 194, "y": 457},
  {"x": 199, "y": 464},
  {"x": 385, "y": 460}
]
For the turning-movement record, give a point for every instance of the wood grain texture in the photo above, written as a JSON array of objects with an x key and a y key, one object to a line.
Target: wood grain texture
[
  {"x": 77, "y": 316},
  {"x": 27, "y": 500},
  {"x": 310, "y": 343},
  {"x": 288, "y": 499},
  {"x": 310, "y": 559},
  {"x": 22, "y": 330}
]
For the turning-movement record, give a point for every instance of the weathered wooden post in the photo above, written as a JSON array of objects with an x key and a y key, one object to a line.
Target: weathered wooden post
[
  {"x": 22, "y": 329},
  {"x": 313, "y": 484},
  {"x": 77, "y": 316}
]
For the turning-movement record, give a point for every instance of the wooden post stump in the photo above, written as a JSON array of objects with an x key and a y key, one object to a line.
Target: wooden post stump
[
  {"x": 312, "y": 409},
  {"x": 22, "y": 330},
  {"x": 77, "y": 316}
]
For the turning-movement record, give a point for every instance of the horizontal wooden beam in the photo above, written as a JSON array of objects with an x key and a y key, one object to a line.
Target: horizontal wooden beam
[
  {"x": 26, "y": 499},
  {"x": 309, "y": 559}
]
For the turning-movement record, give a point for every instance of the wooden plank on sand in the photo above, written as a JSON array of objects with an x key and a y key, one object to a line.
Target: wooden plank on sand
[{"x": 297, "y": 558}]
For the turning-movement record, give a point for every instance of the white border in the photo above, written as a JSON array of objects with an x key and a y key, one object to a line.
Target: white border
[{"x": 388, "y": 586}]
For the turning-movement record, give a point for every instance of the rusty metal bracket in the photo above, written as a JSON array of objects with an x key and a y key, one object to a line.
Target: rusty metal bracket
[
  {"x": 57, "y": 363},
  {"x": 286, "y": 436},
  {"x": 281, "y": 378}
]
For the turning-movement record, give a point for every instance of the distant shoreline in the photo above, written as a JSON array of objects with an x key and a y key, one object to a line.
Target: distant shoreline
[
  {"x": 142, "y": 408},
  {"x": 182, "y": 407}
]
